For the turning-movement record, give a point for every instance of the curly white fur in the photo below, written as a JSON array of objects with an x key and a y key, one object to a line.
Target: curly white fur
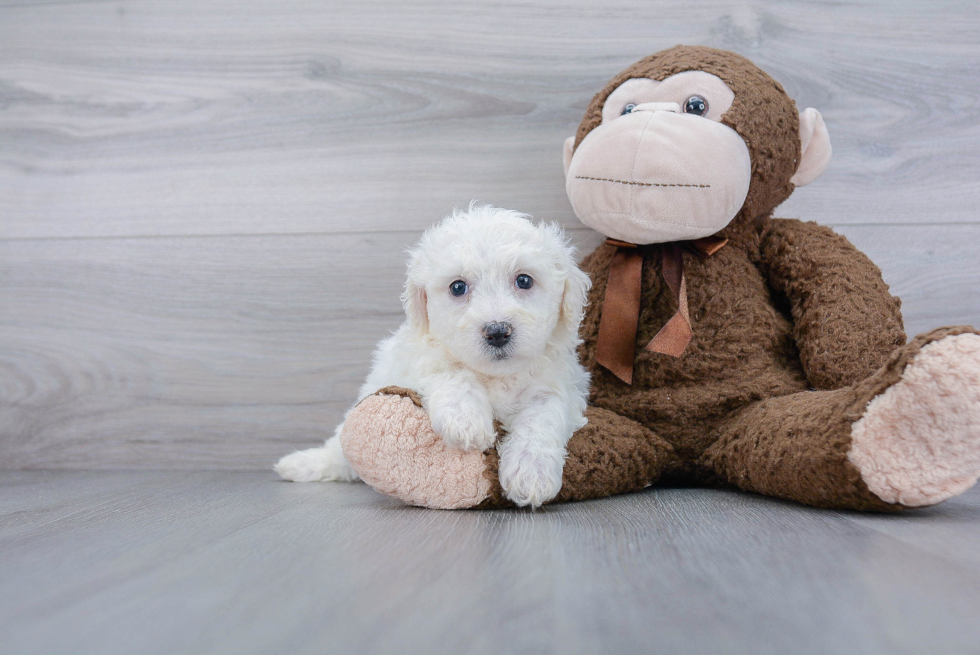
[{"x": 534, "y": 385}]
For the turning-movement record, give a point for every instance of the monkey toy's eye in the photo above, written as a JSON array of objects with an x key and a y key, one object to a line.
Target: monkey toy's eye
[
  {"x": 628, "y": 109},
  {"x": 524, "y": 281},
  {"x": 458, "y": 288},
  {"x": 696, "y": 105}
]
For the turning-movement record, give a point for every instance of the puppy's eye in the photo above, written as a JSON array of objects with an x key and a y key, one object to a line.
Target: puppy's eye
[
  {"x": 696, "y": 105},
  {"x": 458, "y": 288},
  {"x": 524, "y": 281},
  {"x": 628, "y": 109}
]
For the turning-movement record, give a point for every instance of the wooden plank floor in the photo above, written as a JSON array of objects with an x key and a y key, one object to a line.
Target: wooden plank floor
[{"x": 239, "y": 562}]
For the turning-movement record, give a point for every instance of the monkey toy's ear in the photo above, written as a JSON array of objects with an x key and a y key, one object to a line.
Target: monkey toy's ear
[
  {"x": 567, "y": 155},
  {"x": 814, "y": 146}
]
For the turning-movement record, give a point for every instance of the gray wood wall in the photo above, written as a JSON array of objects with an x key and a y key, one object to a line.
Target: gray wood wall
[{"x": 204, "y": 204}]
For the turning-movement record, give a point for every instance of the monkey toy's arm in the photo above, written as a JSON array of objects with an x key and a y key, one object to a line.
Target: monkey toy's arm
[{"x": 845, "y": 321}]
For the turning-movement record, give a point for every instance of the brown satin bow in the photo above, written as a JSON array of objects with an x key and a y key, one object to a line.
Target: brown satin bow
[{"x": 616, "y": 344}]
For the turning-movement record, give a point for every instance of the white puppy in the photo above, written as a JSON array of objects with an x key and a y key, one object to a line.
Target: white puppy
[{"x": 494, "y": 304}]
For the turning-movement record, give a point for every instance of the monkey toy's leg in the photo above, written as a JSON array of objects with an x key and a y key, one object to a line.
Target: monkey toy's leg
[
  {"x": 390, "y": 443},
  {"x": 908, "y": 436},
  {"x": 610, "y": 455}
]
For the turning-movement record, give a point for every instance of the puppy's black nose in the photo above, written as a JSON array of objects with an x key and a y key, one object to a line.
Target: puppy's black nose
[{"x": 497, "y": 334}]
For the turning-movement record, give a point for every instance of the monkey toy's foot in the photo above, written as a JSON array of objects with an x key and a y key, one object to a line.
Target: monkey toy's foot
[
  {"x": 918, "y": 443},
  {"x": 389, "y": 441}
]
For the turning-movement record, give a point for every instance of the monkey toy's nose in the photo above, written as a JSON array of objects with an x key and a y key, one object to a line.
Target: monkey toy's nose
[{"x": 497, "y": 334}]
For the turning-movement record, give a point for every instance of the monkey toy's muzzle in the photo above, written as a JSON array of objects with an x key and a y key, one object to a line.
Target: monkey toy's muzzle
[{"x": 657, "y": 175}]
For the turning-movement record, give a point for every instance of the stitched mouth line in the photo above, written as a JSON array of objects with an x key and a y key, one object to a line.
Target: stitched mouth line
[{"x": 627, "y": 183}]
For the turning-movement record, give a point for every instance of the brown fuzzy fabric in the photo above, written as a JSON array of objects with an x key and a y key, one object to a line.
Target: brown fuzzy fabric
[
  {"x": 742, "y": 351},
  {"x": 796, "y": 446},
  {"x": 844, "y": 320},
  {"x": 611, "y": 455}
]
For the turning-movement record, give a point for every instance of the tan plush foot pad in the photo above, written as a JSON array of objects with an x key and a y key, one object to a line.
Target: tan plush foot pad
[
  {"x": 389, "y": 441},
  {"x": 918, "y": 443}
]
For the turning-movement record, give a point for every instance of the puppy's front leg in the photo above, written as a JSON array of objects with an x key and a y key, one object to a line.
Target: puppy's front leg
[
  {"x": 532, "y": 455},
  {"x": 460, "y": 412}
]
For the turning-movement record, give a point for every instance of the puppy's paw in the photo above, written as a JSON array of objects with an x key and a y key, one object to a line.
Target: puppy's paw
[
  {"x": 463, "y": 425},
  {"x": 316, "y": 465},
  {"x": 529, "y": 475}
]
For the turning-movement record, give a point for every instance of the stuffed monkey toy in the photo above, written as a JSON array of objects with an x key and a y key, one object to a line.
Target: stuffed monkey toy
[{"x": 726, "y": 347}]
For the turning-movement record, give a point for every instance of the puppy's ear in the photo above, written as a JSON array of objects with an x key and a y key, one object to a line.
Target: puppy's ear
[
  {"x": 415, "y": 302},
  {"x": 574, "y": 297}
]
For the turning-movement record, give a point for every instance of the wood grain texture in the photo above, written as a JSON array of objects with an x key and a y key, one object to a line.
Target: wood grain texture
[
  {"x": 220, "y": 117},
  {"x": 239, "y": 562},
  {"x": 227, "y": 352},
  {"x": 203, "y": 205}
]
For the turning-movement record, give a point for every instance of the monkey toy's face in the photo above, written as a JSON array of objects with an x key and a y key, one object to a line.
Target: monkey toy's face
[{"x": 663, "y": 166}]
